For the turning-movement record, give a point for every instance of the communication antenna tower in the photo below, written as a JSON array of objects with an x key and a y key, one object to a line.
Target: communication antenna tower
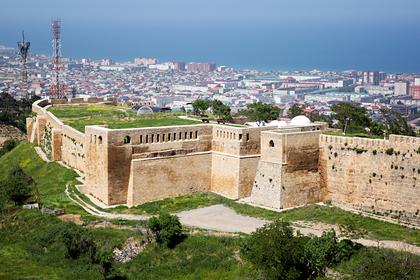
[
  {"x": 57, "y": 85},
  {"x": 23, "y": 52}
]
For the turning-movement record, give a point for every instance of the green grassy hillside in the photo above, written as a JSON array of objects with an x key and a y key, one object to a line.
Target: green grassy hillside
[{"x": 50, "y": 178}]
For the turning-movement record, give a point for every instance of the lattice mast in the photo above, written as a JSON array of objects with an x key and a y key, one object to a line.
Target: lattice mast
[
  {"x": 57, "y": 84},
  {"x": 23, "y": 47}
]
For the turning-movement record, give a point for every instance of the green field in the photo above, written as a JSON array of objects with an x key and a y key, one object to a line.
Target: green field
[
  {"x": 50, "y": 178},
  {"x": 78, "y": 116}
]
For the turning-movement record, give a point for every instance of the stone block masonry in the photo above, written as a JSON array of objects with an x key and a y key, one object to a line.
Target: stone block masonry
[{"x": 378, "y": 176}]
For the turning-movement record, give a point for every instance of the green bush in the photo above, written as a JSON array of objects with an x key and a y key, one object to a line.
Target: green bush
[
  {"x": 378, "y": 264},
  {"x": 8, "y": 145},
  {"x": 325, "y": 251},
  {"x": 167, "y": 229},
  {"x": 17, "y": 186},
  {"x": 275, "y": 252},
  {"x": 78, "y": 242}
]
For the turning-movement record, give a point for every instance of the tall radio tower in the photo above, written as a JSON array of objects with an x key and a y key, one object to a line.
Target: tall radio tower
[
  {"x": 57, "y": 86},
  {"x": 23, "y": 52}
]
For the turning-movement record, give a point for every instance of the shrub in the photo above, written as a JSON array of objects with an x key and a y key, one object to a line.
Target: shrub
[
  {"x": 17, "y": 186},
  {"x": 275, "y": 252},
  {"x": 389, "y": 151},
  {"x": 375, "y": 263},
  {"x": 78, "y": 242},
  {"x": 8, "y": 145},
  {"x": 374, "y": 152},
  {"x": 167, "y": 229},
  {"x": 325, "y": 251}
]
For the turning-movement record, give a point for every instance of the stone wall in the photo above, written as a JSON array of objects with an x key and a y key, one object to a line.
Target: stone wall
[
  {"x": 61, "y": 142},
  {"x": 287, "y": 173},
  {"x": 157, "y": 178},
  {"x": 380, "y": 176}
]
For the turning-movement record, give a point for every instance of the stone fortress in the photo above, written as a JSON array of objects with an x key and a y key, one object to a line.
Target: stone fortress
[{"x": 279, "y": 167}]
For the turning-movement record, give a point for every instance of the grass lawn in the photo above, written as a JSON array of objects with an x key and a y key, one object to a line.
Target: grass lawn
[
  {"x": 50, "y": 178},
  {"x": 78, "y": 116}
]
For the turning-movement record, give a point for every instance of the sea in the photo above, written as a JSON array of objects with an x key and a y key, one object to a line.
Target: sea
[{"x": 262, "y": 46}]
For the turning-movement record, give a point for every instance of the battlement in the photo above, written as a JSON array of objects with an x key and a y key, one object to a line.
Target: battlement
[{"x": 371, "y": 143}]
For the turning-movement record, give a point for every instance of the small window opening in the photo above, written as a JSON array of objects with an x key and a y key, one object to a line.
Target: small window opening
[{"x": 127, "y": 140}]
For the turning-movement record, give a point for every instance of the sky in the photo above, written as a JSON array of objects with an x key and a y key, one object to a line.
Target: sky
[
  {"x": 266, "y": 33},
  {"x": 367, "y": 11}
]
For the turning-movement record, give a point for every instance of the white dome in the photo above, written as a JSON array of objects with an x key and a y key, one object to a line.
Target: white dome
[
  {"x": 144, "y": 110},
  {"x": 300, "y": 120},
  {"x": 282, "y": 123}
]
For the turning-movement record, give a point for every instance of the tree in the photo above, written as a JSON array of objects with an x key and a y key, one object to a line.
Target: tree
[
  {"x": 167, "y": 229},
  {"x": 276, "y": 252},
  {"x": 200, "y": 106},
  {"x": 221, "y": 110},
  {"x": 394, "y": 123},
  {"x": 262, "y": 112},
  {"x": 8, "y": 145},
  {"x": 350, "y": 117},
  {"x": 295, "y": 110},
  {"x": 17, "y": 186},
  {"x": 325, "y": 251}
]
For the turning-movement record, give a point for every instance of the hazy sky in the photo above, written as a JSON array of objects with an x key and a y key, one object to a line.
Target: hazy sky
[
  {"x": 270, "y": 34},
  {"x": 386, "y": 11}
]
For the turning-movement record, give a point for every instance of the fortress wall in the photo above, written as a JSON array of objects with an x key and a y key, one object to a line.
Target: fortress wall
[
  {"x": 61, "y": 142},
  {"x": 235, "y": 159},
  {"x": 300, "y": 174},
  {"x": 364, "y": 175},
  {"x": 72, "y": 147},
  {"x": 124, "y": 145},
  {"x": 287, "y": 174},
  {"x": 191, "y": 138},
  {"x": 158, "y": 178},
  {"x": 96, "y": 170},
  {"x": 266, "y": 189},
  {"x": 225, "y": 175}
]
